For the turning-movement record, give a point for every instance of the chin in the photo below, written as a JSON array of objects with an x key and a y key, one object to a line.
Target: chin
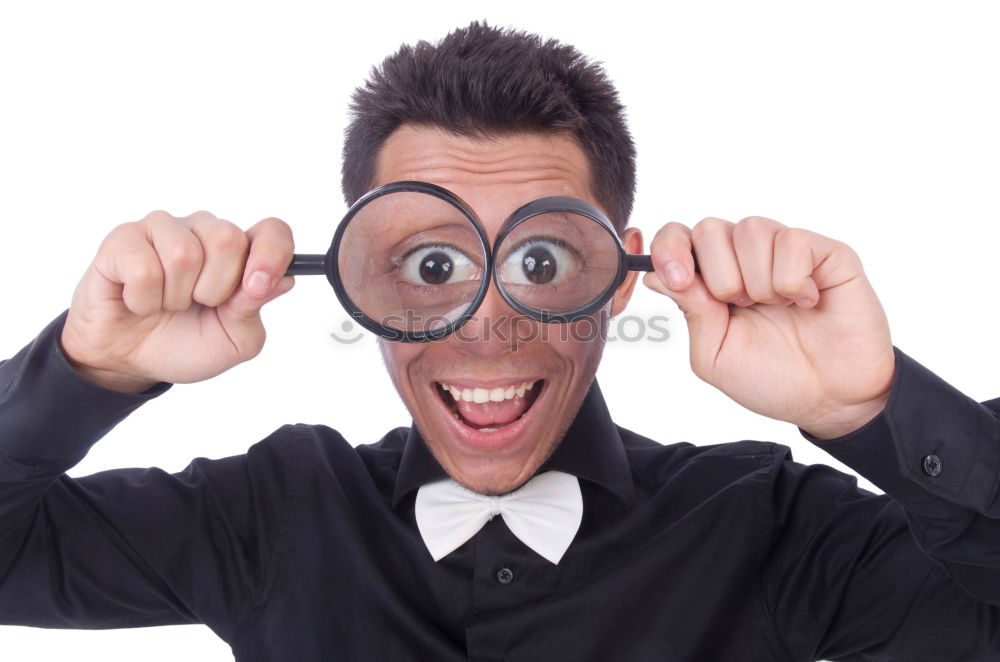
[{"x": 492, "y": 416}]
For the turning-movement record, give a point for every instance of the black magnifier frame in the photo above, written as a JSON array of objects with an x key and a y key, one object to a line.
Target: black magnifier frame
[
  {"x": 327, "y": 264},
  {"x": 561, "y": 204},
  {"x": 316, "y": 264}
]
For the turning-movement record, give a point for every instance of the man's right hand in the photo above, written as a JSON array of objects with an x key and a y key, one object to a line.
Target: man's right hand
[{"x": 175, "y": 300}]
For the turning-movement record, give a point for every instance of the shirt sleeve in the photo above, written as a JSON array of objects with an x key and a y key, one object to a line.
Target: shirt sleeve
[
  {"x": 127, "y": 547},
  {"x": 913, "y": 574},
  {"x": 936, "y": 452}
]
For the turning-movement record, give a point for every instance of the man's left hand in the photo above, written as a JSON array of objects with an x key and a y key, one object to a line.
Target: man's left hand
[{"x": 782, "y": 320}]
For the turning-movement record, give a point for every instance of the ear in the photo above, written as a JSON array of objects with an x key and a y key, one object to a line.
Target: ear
[{"x": 632, "y": 240}]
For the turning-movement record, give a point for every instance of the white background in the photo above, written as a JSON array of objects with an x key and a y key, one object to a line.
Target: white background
[{"x": 871, "y": 122}]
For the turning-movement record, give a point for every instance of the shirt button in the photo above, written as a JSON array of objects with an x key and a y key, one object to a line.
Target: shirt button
[
  {"x": 505, "y": 575},
  {"x": 932, "y": 465}
]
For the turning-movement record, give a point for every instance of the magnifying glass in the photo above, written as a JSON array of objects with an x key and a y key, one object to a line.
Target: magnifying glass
[{"x": 410, "y": 261}]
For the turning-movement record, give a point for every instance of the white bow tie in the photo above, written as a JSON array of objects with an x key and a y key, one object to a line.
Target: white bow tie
[{"x": 544, "y": 514}]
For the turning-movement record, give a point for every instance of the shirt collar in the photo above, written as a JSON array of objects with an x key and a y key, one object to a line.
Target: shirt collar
[{"x": 591, "y": 449}]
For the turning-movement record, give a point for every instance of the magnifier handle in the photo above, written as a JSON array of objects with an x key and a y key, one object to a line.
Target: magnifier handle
[
  {"x": 306, "y": 265},
  {"x": 645, "y": 263}
]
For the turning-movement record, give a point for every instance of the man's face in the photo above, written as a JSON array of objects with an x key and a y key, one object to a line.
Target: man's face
[{"x": 493, "y": 447}]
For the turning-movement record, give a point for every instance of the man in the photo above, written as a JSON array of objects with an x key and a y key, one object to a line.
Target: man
[{"x": 308, "y": 548}]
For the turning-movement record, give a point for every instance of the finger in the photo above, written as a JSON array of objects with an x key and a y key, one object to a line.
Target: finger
[
  {"x": 225, "y": 248},
  {"x": 181, "y": 257},
  {"x": 707, "y": 319},
  {"x": 713, "y": 245},
  {"x": 795, "y": 259},
  {"x": 753, "y": 241},
  {"x": 241, "y": 315},
  {"x": 672, "y": 256},
  {"x": 128, "y": 261},
  {"x": 271, "y": 249}
]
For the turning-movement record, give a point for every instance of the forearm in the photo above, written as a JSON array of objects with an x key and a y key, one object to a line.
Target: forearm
[
  {"x": 936, "y": 452},
  {"x": 50, "y": 416},
  {"x": 106, "y": 550}
]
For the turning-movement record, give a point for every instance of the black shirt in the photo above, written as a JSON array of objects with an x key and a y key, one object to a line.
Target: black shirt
[{"x": 306, "y": 548}]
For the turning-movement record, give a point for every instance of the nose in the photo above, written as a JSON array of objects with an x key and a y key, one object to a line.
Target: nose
[{"x": 495, "y": 328}]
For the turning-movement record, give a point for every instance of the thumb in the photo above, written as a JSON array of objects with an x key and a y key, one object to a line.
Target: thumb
[
  {"x": 240, "y": 315},
  {"x": 264, "y": 278},
  {"x": 246, "y": 306},
  {"x": 707, "y": 318}
]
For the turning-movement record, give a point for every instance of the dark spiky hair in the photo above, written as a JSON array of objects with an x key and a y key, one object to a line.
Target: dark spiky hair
[{"x": 481, "y": 81}]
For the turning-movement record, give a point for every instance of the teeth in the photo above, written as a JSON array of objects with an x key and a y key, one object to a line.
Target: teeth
[{"x": 480, "y": 395}]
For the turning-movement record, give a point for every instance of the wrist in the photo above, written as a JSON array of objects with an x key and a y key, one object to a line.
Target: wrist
[
  {"x": 111, "y": 380},
  {"x": 845, "y": 420}
]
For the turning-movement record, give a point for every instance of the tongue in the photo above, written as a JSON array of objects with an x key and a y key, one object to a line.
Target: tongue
[{"x": 492, "y": 414}]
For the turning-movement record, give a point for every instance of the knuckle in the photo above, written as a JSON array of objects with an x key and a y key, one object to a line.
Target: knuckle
[
  {"x": 158, "y": 215},
  {"x": 131, "y": 226},
  {"x": 276, "y": 225},
  {"x": 727, "y": 292},
  {"x": 200, "y": 215},
  {"x": 272, "y": 244},
  {"x": 846, "y": 249},
  {"x": 755, "y": 226},
  {"x": 182, "y": 256},
  {"x": 159, "y": 224},
  {"x": 226, "y": 238},
  {"x": 666, "y": 241},
  {"x": 671, "y": 230},
  {"x": 122, "y": 231},
  {"x": 146, "y": 274},
  {"x": 793, "y": 238},
  {"x": 757, "y": 222},
  {"x": 709, "y": 226},
  {"x": 659, "y": 249}
]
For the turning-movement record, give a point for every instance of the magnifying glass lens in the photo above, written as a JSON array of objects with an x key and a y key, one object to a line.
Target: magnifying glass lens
[
  {"x": 557, "y": 262},
  {"x": 411, "y": 261}
]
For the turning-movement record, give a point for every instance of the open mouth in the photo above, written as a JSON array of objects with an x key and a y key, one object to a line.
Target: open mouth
[{"x": 488, "y": 410}]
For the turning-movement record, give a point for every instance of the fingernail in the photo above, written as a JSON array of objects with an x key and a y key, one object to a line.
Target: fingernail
[
  {"x": 803, "y": 303},
  {"x": 259, "y": 284},
  {"x": 676, "y": 273}
]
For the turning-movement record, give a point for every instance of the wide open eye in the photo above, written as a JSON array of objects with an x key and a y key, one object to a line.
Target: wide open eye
[
  {"x": 436, "y": 265},
  {"x": 539, "y": 261}
]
